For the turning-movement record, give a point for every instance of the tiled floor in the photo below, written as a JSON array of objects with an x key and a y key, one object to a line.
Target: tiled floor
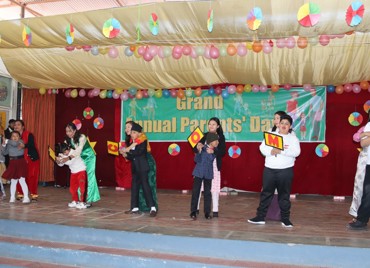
[{"x": 317, "y": 220}]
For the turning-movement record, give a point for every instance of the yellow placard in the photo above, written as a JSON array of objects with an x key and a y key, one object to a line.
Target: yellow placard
[
  {"x": 113, "y": 147},
  {"x": 195, "y": 137},
  {"x": 274, "y": 140},
  {"x": 51, "y": 153}
]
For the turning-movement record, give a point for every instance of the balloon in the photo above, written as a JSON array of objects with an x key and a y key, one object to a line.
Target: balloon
[
  {"x": 153, "y": 50},
  {"x": 189, "y": 92},
  {"x": 274, "y": 88},
  {"x": 223, "y": 51},
  {"x": 330, "y": 88},
  {"x": 94, "y": 50},
  {"x": 103, "y": 94},
  {"x": 198, "y": 92},
  {"x": 290, "y": 42},
  {"x": 151, "y": 92},
  {"x": 266, "y": 47},
  {"x": 141, "y": 50},
  {"x": 176, "y": 56},
  {"x": 132, "y": 91},
  {"x": 118, "y": 90},
  {"x": 207, "y": 52},
  {"x": 173, "y": 93},
  {"x": 255, "y": 88},
  {"x": 231, "y": 89},
  {"x": 211, "y": 91},
  {"x": 145, "y": 93},
  {"x": 49, "y": 91},
  {"x": 324, "y": 40},
  {"x": 302, "y": 42},
  {"x": 193, "y": 53},
  {"x": 78, "y": 47},
  {"x": 90, "y": 94},
  {"x": 307, "y": 87},
  {"x": 313, "y": 41},
  {"x": 166, "y": 52},
  {"x": 242, "y": 50},
  {"x": 186, "y": 50},
  {"x": 74, "y": 93},
  {"x": 132, "y": 48},
  {"x": 82, "y": 93},
  {"x": 356, "y": 137},
  {"x": 160, "y": 53},
  {"x": 225, "y": 94},
  {"x": 109, "y": 94},
  {"x": 263, "y": 88},
  {"x": 249, "y": 45},
  {"x": 86, "y": 48},
  {"x": 166, "y": 93},
  {"x": 124, "y": 96},
  {"x": 287, "y": 86},
  {"x": 214, "y": 52},
  {"x": 257, "y": 46},
  {"x": 113, "y": 52},
  {"x": 339, "y": 89},
  {"x": 55, "y": 91},
  {"x": 158, "y": 93},
  {"x": 231, "y": 50},
  {"x": 364, "y": 85},
  {"x": 96, "y": 91},
  {"x": 128, "y": 52},
  {"x": 115, "y": 95},
  {"x": 247, "y": 88},
  {"x": 199, "y": 50},
  {"x": 280, "y": 43},
  {"x": 218, "y": 90},
  {"x": 356, "y": 88},
  {"x": 147, "y": 56},
  {"x": 70, "y": 48},
  {"x": 139, "y": 95},
  {"x": 180, "y": 93},
  {"x": 239, "y": 89},
  {"x": 42, "y": 90},
  {"x": 67, "y": 93},
  {"x": 177, "y": 49},
  {"x": 103, "y": 50},
  {"x": 348, "y": 87}
]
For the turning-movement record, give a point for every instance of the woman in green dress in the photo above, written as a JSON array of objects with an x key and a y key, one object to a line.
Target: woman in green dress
[{"x": 82, "y": 148}]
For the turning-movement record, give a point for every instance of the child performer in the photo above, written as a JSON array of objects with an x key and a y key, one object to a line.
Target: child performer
[
  {"x": 17, "y": 169},
  {"x": 203, "y": 172},
  {"x": 78, "y": 174}
]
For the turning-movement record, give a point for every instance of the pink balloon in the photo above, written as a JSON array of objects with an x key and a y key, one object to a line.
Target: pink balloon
[
  {"x": 255, "y": 88},
  {"x": 141, "y": 50},
  {"x": 290, "y": 42},
  {"x": 160, "y": 53},
  {"x": 287, "y": 86},
  {"x": 218, "y": 90},
  {"x": 281, "y": 43},
  {"x": 186, "y": 50},
  {"x": 356, "y": 88},
  {"x": 153, "y": 50},
  {"x": 231, "y": 89},
  {"x": 176, "y": 55},
  {"x": 214, "y": 52},
  {"x": 356, "y": 137},
  {"x": 324, "y": 40},
  {"x": 70, "y": 48},
  {"x": 67, "y": 93},
  {"x": 263, "y": 88},
  {"x": 82, "y": 93},
  {"x": 193, "y": 53},
  {"x": 348, "y": 87},
  {"x": 145, "y": 93},
  {"x": 266, "y": 47},
  {"x": 90, "y": 94},
  {"x": 113, "y": 52},
  {"x": 206, "y": 53},
  {"x": 307, "y": 87},
  {"x": 147, "y": 56},
  {"x": 115, "y": 95},
  {"x": 96, "y": 91},
  {"x": 241, "y": 50},
  {"x": 173, "y": 93},
  {"x": 177, "y": 49},
  {"x": 124, "y": 96},
  {"x": 86, "y": 48}
]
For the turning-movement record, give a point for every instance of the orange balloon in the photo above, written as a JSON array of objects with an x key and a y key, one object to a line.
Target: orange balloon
[
  {"x": 364, "y": 85},
  {"x": 339, "y": 89},
  {"x": 231, "y": 50},
  {"x": 302, "y": 42},
  {"x": 132, "y": 48},
  {"x": 239, "y": 89},
  {"x": 274, "y": 88},
  {"x": 180, "y": 93},
  {"x": 350, "y": 32},
  {"x": 198, "y": 92},
  {"x": 139, "y": 95},
  {"x": 257, "y": 46}
]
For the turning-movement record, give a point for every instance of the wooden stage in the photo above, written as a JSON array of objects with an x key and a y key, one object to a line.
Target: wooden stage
[{"x": 317, "y": 220}]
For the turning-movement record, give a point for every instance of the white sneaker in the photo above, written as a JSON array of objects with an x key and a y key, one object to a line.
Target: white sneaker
[
  {"x": 26, "y": 200},
  {"x": 81, "y": 205},
  {"x": 73, "y": 204},
  {"x": 12, "y": 200}
]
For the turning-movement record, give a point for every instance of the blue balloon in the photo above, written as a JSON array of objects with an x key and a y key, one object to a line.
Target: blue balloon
[
  {"x": 330, "y": 88},
  {"x": 166, "y": 93},
  {"x": 109, "y": 94},
  {"x": 132, "y": 91},
  {"x": 211, "y": 91},
  {"x": 225, "y": 94}
]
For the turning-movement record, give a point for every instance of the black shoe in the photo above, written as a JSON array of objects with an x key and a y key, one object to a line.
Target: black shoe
[
  {"x": 215, "y": 214},
  {"x": 357, "y": 225},
  {"x": 197, "y": 211},
  {"x": 257, "y": 220},
  {"x": 88, "y": 205},
  {"x": 153, "y": 213},
  {"x": 286, "y": 223},
  {"x": 207, "y": 216},
  {"x": 132, "y": 212},
  {"x": 193, "y": 215}
]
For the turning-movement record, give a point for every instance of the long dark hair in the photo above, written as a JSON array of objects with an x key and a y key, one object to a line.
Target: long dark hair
[
  {"x": 128, "y": 137},
  {"x": 76, "y": 137},
  {"x": 219, "y": 130},
  {"x": 280, "y": 113}
]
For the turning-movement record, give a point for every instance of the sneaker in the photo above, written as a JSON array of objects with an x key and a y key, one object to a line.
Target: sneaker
[
  {"x": 81, "y": 205},
  {"x": 257, "y": 220},
  {"x": 357, "y": 225},
  {"x": 73, "y": 204},
  {"x": 286, "y": 223},
  {"x": 26, "y": 200},
  {"x": 215, "y": 214},
  {"x": 153, "y": 213},
  {"x": 193, "y": 215},
  {"x": 133, "y": 211},
  {"x": 12, "y": 200},
  {"x": 207, "y": 216}
]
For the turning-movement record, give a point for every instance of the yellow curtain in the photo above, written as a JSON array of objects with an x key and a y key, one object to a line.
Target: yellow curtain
[{"x": 38, "y": 114}]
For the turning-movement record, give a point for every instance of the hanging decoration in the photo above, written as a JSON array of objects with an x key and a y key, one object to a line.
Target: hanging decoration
[
  {"x": 173, "y": 149},
  {"x": 98, "y": 123},
  {"x": 309, "y": 14},
  {"x": 88, "y": 113},
  {"x": 210, "y": 20},
  {"x": 234, "y": 151},
  {"x": 111, "y": 28},
  {"x": 27, "y": 36},
  {"x": 355, "y": 119},
  {"x": 77, "y": 123},
  {"x": 322, "y": 150},
  {"x": 254, "y": 18},
  {"x": 70, "y": 34},
  {"x": 153, "y": 24},
  {"x": 367, "y": 106},
  {"x": 355, "y": 13}
]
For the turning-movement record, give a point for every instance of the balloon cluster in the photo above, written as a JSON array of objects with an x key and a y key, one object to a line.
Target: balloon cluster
[
  {"x": 95, "y": 50},
  {"x": 50, "y": 91},
  {"x": 348, "y": 87}
]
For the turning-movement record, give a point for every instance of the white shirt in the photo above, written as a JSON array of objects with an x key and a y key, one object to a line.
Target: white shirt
[
  {"x": 76, "y": 164},
  {"x": 366, "y": 149}
]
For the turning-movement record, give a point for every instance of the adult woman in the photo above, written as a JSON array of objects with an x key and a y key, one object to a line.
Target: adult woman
[
  {"x": 32, "y": 157},
  {"x": 152, "y": 165},
  {"x": 214, "y": 126},
  {"x": 79, "y": 143}
]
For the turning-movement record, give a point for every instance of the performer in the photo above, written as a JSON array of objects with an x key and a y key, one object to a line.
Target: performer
[
  {"x": 78, "y": 142},
  {"x": 7, "y": 133},
  {"x": 31, "y": 154},
  {"x": 214, "y": 126},
  {"x": 278, "y": 173}
]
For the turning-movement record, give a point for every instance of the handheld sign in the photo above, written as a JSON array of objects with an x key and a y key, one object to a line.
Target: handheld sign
[
  {"x": 51, "y": 153},
  {"x": 195, "y": 137},
  {"x": 112, "y": 147},
  {"x": 273, "y": 140}
]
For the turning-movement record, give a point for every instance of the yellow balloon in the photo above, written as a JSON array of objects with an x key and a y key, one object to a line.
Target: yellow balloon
[
  {"x": 74, "y": 93},
  {"x": 247, "y": 88},
  {"x": 249, "y": 45},
  {"x": 158, "y": 93},
  {"x": 118, "y": 90},
  {"x": 42, "y": 90}
]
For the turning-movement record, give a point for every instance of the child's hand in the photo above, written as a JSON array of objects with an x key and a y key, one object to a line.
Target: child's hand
[
  {"x": 210, "y": 150},
  {"x": 275, "y": 151}
]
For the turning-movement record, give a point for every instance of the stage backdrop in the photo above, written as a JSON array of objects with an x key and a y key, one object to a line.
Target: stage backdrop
[{"x": 244, "y": 117}]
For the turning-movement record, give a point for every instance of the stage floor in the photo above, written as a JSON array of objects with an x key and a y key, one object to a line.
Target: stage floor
[{"x": 317, "y": 220}]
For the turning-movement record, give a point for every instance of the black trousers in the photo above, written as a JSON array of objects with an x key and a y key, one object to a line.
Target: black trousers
[
  {"x": 141, "y": 179},
  {"x": 363, "y": 212},
  {"x": 197, "y": 184},
  {"x": 280, "y": 179}
]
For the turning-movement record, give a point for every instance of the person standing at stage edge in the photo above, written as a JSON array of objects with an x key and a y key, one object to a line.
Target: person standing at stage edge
[
  {"x": 214, "y": 126},
  {"x": 8, "y": 133},
  {"x": 31, "y": 154},
  {"x": 79, "y": 143}
]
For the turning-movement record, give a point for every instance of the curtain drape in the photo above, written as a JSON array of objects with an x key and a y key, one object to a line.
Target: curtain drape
[{"x": 38, "y": 114}]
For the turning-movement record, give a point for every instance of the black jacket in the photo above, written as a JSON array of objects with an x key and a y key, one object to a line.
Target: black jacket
[
  {"x": 219, "y": 151},
  {"x": 139, "y": 159}
]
